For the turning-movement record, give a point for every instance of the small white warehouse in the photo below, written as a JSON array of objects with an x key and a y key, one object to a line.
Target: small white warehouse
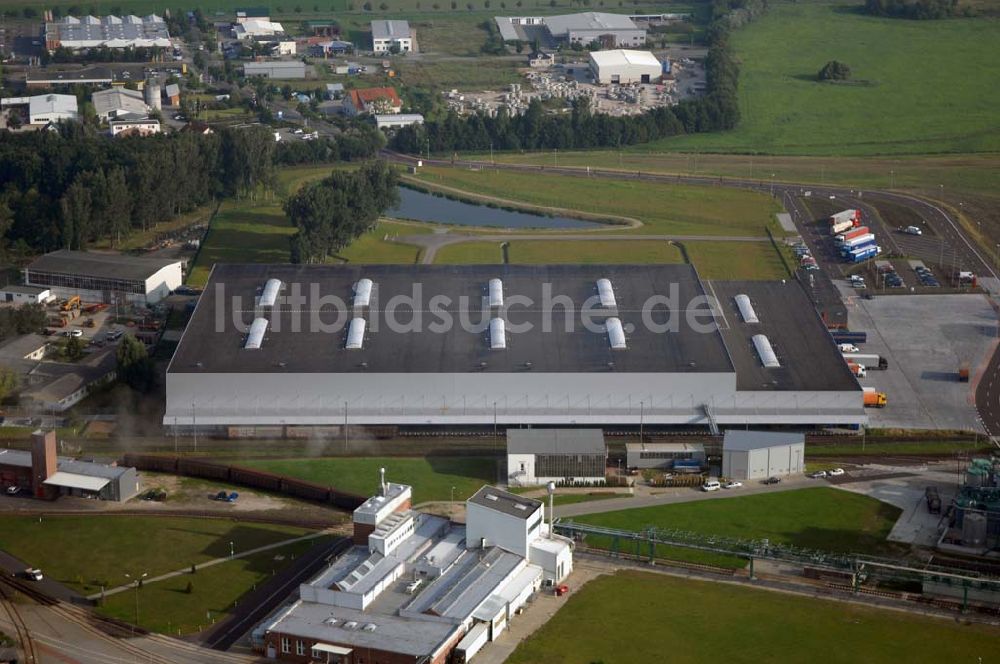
[
  {"x": 25, "y": 294},
  {"x": 753, "y": 455},
  {"x": 538, "y": 456},
  {"x": 97, "y": 277},
  {"x": 625, "y": 66}
]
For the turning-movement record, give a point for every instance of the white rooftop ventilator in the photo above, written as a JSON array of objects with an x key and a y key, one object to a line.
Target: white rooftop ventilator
[
  {"x": 269, "y": 296},
  {"x": 256, "y": 335},
  {"x": 496, "y": 293},
  {"x": 362, "y": 292},
  {"x": 606, "y": 293},
  {"x": 766, "y": 353},
  {"x": 356, "y": 334},
  {"x": 498, "y": 334},
  {"x": 616, "y": 334},
  {"x": 746, "y": 309}
]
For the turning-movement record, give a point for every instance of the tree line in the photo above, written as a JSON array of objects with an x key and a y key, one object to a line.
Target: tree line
[
  {"x": 335, "y": 211},
  {"x": 71, "y": 188},
  {"x": 716, "y": 110},
  {"x": 922, "y": 10}
]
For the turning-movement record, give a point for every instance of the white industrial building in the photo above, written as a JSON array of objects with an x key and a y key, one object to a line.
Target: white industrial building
[
  {"x": 539, "y": 456},
  {"x": 608, "y": 30},
  {"x": 16, "y": 294},
  {"x": 114, "y": 102},
  {"x": 754, "y": 455},
  {"x": 487, "y": 360},
  {"x": 416, "y": 586},
  {"x": 387, "y": 34},
  {"x": 107, "y": 32},
  {"x": 254, "y": 28},
  {"x": 397, "y": 120},
  {"x": 624, "y": 66},
  {"x": 43, "y": 109},
  {"x": 105, "y": 277},
  {"x": 134, "y": 126}
]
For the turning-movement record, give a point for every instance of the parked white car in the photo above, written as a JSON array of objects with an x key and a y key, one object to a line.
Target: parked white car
[
  {"x": 835, "y": 472},
  {"x": 732, "y": 485},
  {"x": 819, "y": 474},
  {"x": 711, "y": 485},
  {"x": 913, "y": 230},
  {"x": 848, "y": 348}
]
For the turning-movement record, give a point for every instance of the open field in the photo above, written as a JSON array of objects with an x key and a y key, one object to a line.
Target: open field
[
  {"x": 666, "y": 209},
  {"x": 243, "y": 232},
  {"x": 87, "y": 552},
  {"x": 874, "y": 447},
  {"x": 645, "y": 617},
  {"x": 431, "y": 477},
  {"x": 891, "y": 106},
  {"x": 373, "y": 247},
  {"x": 470, "y": 253},
  {"x": 736, "y": 260},
  {"x": 167, "y": 607},
  {"x": 818, "y": 518}
]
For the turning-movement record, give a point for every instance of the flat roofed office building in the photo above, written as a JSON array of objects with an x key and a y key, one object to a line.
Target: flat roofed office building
[{"x": 538, "y": 456}]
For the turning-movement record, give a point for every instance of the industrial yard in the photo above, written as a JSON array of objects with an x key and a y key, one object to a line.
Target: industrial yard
[{"x": 447, "y": 334}]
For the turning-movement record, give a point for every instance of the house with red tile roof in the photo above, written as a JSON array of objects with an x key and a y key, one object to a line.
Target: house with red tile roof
[{"x": 373, "y": 100}]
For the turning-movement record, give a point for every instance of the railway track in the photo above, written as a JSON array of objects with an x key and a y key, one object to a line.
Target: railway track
[{"x": 21, "y": 632}]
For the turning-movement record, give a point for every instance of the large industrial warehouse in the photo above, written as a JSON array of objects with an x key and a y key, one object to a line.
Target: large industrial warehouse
[
  {"x": 105, "y": 277},
  {"x": 269, "y": 353},
  {"x": 622, "y": 66}
]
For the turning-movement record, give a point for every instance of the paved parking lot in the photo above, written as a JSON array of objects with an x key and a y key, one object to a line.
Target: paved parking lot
[{"x": 925, "y": 338}]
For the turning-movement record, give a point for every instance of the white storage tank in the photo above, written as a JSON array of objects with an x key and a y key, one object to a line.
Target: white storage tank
[{"x": 152, "y": 94}]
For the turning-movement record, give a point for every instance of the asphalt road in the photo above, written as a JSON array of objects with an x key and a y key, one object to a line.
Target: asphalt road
[{"x": 14, "y": 566}]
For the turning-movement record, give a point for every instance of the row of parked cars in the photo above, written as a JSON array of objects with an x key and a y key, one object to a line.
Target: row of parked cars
[
  {"x": 806, "y": 261},
  {"x": 926, "y": 277}
]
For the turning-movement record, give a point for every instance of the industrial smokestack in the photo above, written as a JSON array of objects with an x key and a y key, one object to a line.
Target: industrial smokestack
[{"x": 551, "y": 488}]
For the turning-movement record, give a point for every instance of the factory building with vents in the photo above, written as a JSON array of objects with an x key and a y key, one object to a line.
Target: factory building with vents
[
  {"x": 274, "y": 350},
  {"x": 108, "y": 278},
  {"x": 416, "y": 587}
]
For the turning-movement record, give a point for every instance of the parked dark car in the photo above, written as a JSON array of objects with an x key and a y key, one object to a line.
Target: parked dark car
[{"x": 772, "y": 480}]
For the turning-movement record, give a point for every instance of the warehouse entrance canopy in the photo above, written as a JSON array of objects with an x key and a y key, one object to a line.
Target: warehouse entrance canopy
[
  {"x": 333, "y": 650},
  {"x": 75, "y": 481}
]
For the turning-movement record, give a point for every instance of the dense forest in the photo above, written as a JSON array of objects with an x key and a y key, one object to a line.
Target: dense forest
[
  {"x": 71, "y": 188},
  {"x": 717, "y": 110},
  {"x": 913, "y": 9},
  {"x": 335, "y": 211}
]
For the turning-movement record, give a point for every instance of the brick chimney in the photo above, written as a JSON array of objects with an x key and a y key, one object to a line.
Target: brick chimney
[{"x": 43, "y": 463}]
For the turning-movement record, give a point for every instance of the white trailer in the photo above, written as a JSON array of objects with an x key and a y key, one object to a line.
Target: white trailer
[{"x": 867, "y": 360}]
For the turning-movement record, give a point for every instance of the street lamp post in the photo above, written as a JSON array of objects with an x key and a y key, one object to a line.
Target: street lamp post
[
  {"x": 138, "y": 580},
  {"x": 452, "y": 494},
  {"x": 232, "y": 550}
]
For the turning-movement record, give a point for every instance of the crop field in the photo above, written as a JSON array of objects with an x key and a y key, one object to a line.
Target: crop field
[
  {"x": 892, "y": 105},
  {"x": 167, "y": 606},
  {"x": 87, "y": 552},
  {"x": 816, "y": 518},
  {"x": 644, "y": 617},
  {"x": 666, "y": 209},
  {"x": 431, "y": 477}
]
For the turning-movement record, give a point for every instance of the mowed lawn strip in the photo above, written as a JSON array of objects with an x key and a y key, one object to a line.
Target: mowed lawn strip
[
  {"x": 470, "y": 253},
  {"x": 736, "y": 260},
  {"x": 167, "y": 606},
  {"x": 662, "y": 208},
  {"x": 375, "y": 245},
  {"x": 86, "y": 552},
  {"x": 243, "y": 232},
  {"x": 541, "y": 252},
  {"x": 431, "y": 477},
  {"x": 815, "y": 518},
  {"x": 644, "y": 617}
]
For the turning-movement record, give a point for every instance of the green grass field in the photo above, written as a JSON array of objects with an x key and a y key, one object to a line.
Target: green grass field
[
  {"x": 818, "y": 518},
  {"x": 431, "y": 477},
  {"x": 893, "y": 105},
  {"x": 167, "y": 607},
  {"x": 470, "y": 253},
  {"x": 86, "y": 552},
  {"x": 243, "y": 232},
  {"x": 374, "y": 247},
  {"x": 643, "y": 617},
  {"x": 736, "y": 260},
  {"x": 593, "y": 251},
  {"x": 875, "y": 447},
  {"x": 666, "y": 209}
]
